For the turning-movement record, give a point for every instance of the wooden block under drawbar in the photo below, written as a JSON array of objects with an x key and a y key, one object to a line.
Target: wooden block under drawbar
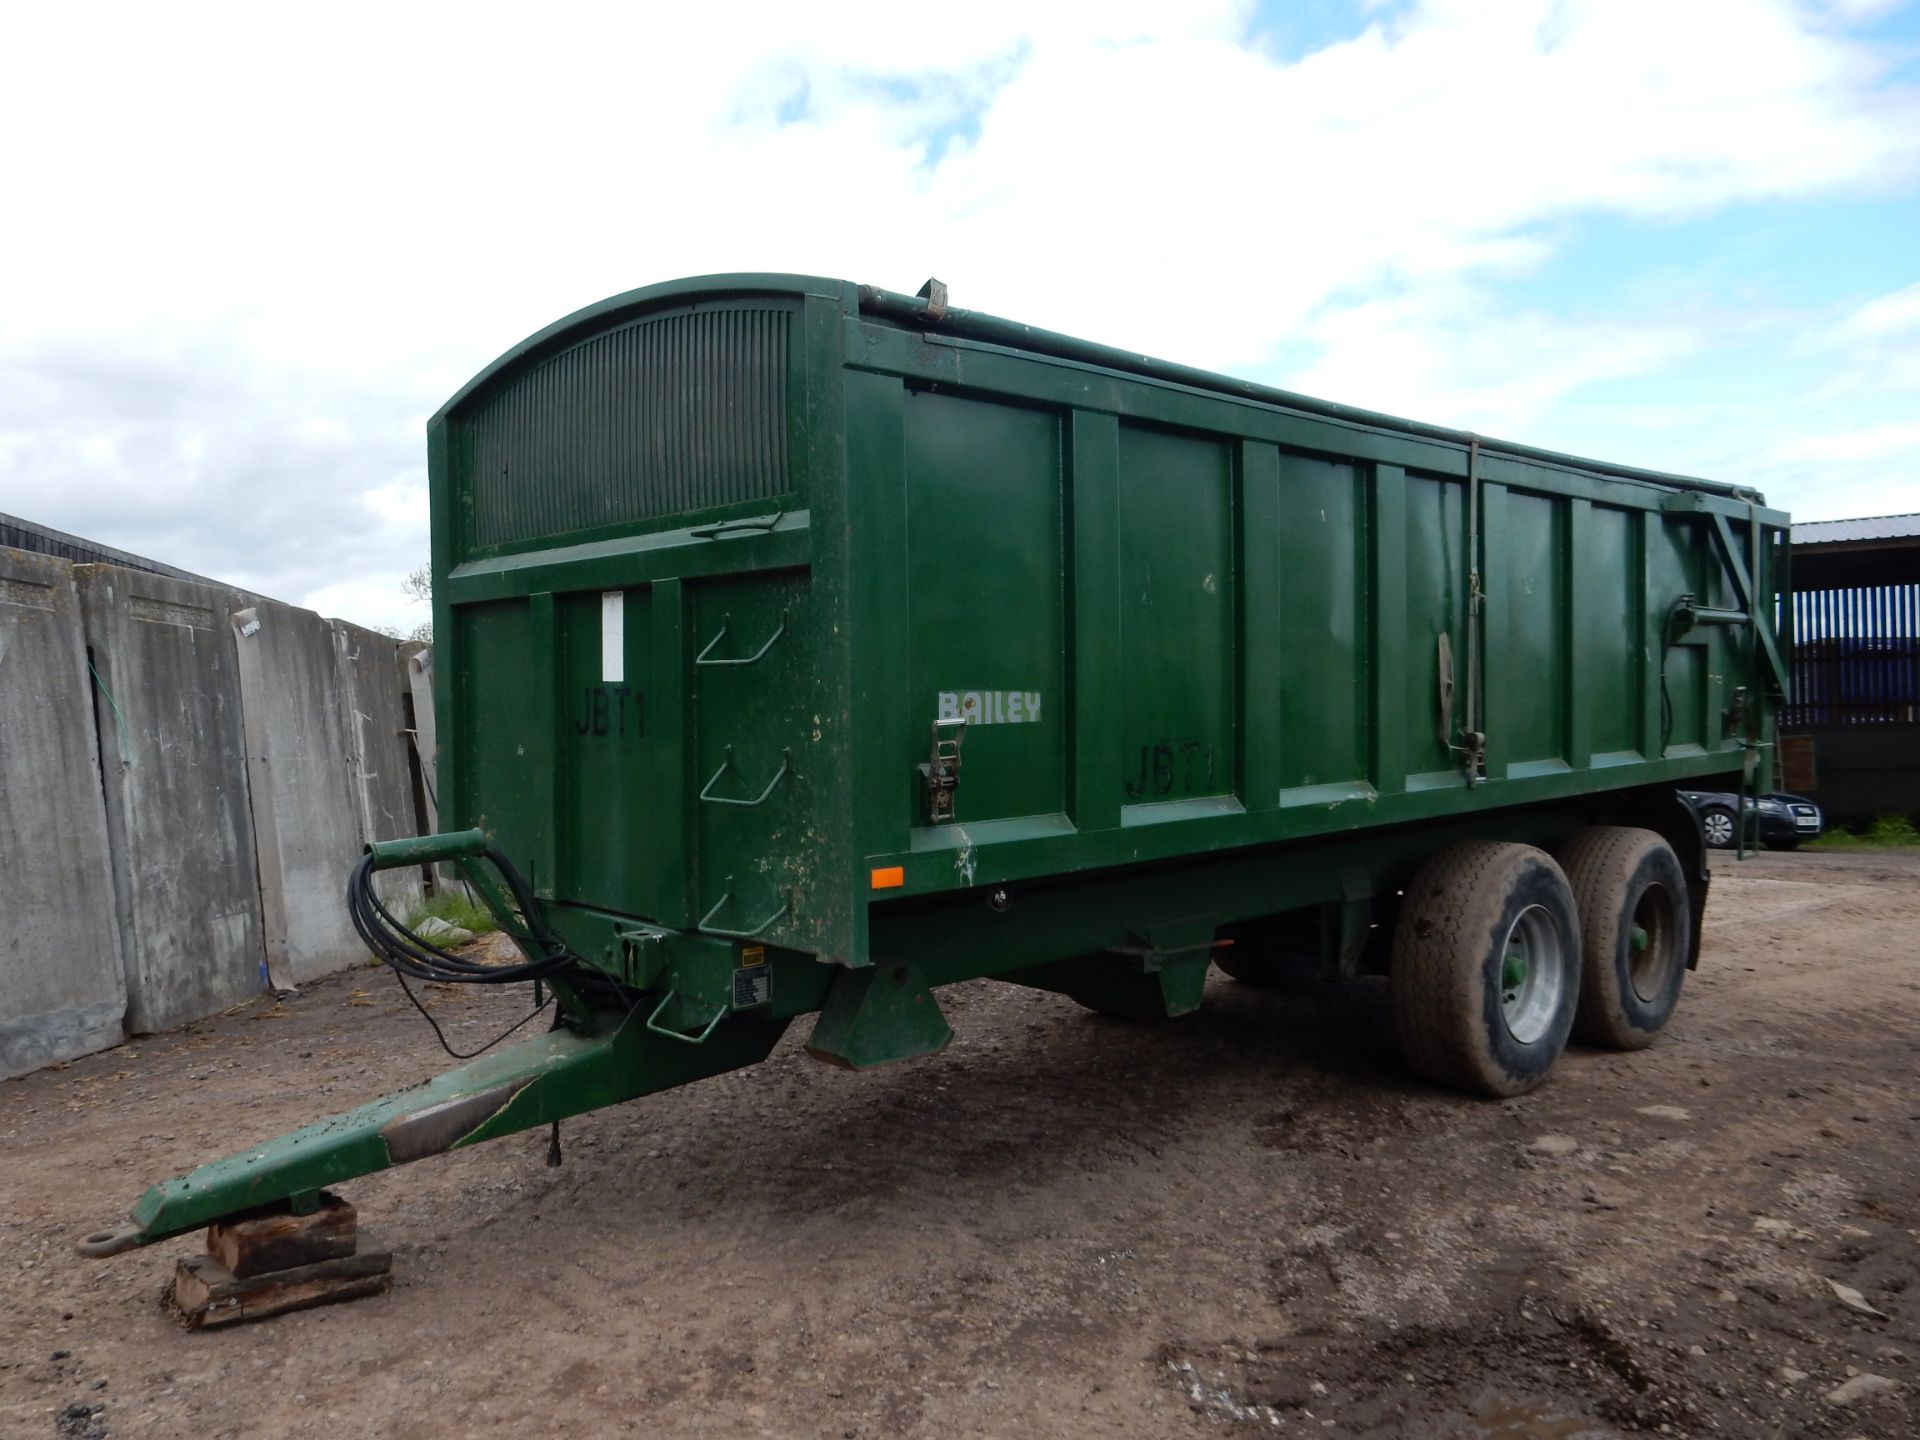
[
  {"x": 207, "y": 1293},
  {"x": 271, "y": 1239}
]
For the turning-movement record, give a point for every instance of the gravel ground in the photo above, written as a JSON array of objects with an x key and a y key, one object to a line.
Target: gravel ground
[{"x": 1247, "y": 1221}]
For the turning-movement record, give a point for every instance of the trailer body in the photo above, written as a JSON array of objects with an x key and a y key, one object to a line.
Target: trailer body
[
  {"x": 804, "y": 647},
  {"x": 713, "y": 558}
]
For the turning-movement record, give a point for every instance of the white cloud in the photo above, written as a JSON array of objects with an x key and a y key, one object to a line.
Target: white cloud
[
  {"x": 374, "y": 600},
  {"x": 400, "y": 502},
  {"x": 1895, "y": 314},
  {"x": 1893, "y": 440},
  {"x": 1878, "y": 345},
  {"x": 235, "y": 221},
  {"x": 1452, "y": 359}
]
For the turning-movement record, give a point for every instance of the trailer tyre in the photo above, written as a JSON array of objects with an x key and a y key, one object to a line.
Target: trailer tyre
[
  {"x": 1636, "y": 933},
  {"x": 1486, "y": 967}
]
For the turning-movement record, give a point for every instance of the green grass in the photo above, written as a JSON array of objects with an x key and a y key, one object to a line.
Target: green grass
[
  {"x": 1889, "y": 832},
  {"x": 455, "y": 907}
]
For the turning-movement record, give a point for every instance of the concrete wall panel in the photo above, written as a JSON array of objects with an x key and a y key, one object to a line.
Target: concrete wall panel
[
  {"x": 417, "y": 663},
  {"x": 299, "y": 767},
  {"x": 178, "y": 834},
  {"x": 373, "y": 689},
  {"x": 185, "y": 891},
  {"x": 60, "y": 977}
]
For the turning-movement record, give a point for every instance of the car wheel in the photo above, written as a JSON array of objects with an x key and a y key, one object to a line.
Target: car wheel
[{"x": 1716, "y": 823}]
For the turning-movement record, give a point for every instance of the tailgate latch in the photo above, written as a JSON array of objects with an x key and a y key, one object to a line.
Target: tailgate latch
[{"x": 940, "y": 771}]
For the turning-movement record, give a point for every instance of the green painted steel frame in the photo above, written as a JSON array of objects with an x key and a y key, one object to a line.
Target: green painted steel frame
[{"x": 532, "y": 1084}]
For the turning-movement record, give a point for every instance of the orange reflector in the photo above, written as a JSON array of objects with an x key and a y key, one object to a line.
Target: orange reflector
[{"x": 889, "y": 877}]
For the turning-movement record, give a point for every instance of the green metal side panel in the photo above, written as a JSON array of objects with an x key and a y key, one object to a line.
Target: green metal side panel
[
  {"x": 645, "y": 750},
  {"x": 752, "y": 752},
  {"x": 1436, "y": 604},
  {"x": 1177, "y": 585},
  {"x": 502, "y": 726},
  {"x": 986, "y": 601},
  {"x": 1608, "y": 632},
  {"x": 1094, "y": 567},
  {"x": 605, "y": 761},
  {"x": 1533, "y": 719},
  {"x": 1676, "y": 565},
  {"x": 1318, "y": 549}
]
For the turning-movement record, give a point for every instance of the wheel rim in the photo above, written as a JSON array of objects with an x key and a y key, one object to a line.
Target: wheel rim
[
  {"x": 1533, "y": 974},
  {"x": 1719, "y": 828},
  {"x": 1651, "y": 955}
]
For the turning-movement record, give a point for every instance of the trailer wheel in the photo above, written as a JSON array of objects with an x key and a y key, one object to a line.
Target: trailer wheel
[
  {"x": 1486, "y": 967},
  {"x": 1636, "y": 929}
]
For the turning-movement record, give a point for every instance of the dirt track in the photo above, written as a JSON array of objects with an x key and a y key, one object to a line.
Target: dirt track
[{"x": 1246, "y": 1221}]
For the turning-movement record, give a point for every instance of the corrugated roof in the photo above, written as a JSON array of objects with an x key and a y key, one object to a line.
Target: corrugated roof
[
  {"x": 1868, "y": 527},
  {"x": 18, "y": 534}
]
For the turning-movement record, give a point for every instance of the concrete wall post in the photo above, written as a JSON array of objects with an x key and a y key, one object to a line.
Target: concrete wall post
[{"x": 60, "y": 976}]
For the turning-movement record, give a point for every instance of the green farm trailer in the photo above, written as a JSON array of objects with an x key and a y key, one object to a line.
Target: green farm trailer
[{"x": 805, "y": 647}]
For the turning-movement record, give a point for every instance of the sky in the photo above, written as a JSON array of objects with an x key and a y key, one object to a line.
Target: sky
[{"x": 246, "y": 251}]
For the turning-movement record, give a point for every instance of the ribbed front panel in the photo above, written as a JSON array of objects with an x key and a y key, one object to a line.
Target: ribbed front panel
[{"x": 668, "y": 415}]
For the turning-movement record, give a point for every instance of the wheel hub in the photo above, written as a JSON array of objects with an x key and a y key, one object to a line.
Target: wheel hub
[
  {"x": 1513, "y": 972},
  {"x": 1533, "y": 977},
  {"x": 1651, "y": 955}
]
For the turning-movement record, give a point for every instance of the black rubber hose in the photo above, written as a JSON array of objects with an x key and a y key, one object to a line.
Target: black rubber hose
[{"x": 408, "y": 953}]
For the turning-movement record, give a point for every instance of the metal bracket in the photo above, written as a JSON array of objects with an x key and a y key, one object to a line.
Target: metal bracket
[
  {"x": 786, "y": 618},
  {"x": 1151, "y": 957},
  {"x": 707, "y": 926},
  {"x": 934, "y": 292},
  {"x": 786, "y": 766},
  {"x": 1746, "y": 837},
  {"x": 1743, "y": 573},
  {"x": 1733, "y": 719},
  {"x": 759, "y": 524},
  {"x": 940, "y": 771},
  {"x": 1687, "y": 616},
  {"x": 1473, "y": 737},
  {"x": 643, "y": 955},
  {"x": 673, "y": 1034}
]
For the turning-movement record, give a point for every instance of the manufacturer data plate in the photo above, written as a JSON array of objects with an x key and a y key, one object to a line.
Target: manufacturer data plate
[{"x": 752, "y": 978}]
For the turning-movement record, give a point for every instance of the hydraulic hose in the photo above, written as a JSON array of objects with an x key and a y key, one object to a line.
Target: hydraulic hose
[{"x": 411, "y": 955}]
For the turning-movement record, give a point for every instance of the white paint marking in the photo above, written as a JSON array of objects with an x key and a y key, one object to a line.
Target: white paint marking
[
  {"x": 613, "y": 637},
  {"x": 988, "y": 707}
]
